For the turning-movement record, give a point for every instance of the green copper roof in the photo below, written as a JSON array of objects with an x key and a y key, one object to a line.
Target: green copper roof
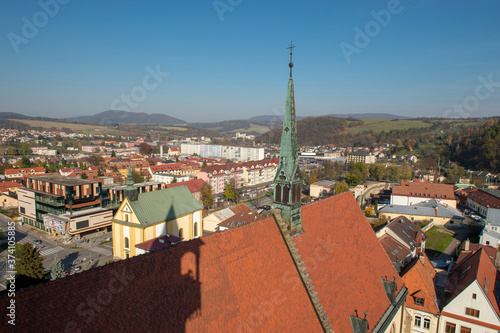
[{"x": 158, "y": 206}]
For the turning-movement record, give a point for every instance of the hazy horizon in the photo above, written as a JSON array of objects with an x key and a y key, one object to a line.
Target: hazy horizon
[{"x": 207, "y": 61}]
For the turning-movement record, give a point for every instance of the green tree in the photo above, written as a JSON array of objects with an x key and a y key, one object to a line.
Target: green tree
[
  {"x": 29, "y": 266},
  {"x": 207, "y": 197},
  {"x": 230, "y": 191},
  {"x": 393, "y": 173},
  {"x": 95, "y": 159},
  {"x": 204, "y": 165},
  {"x": 174, "y": 180},
  {"x": 340, "y": 187},
  {"x": 57, "y": 271},
  {"x": 83, "y": 175},
  {"x": 405, "y": 173},
  {"x": 137, "y": 177},
  {"x": 353, "y": 179},
  {"x": 113, "y": 154},
  {"x": 377, "y": 171},
  {"x": 115, "y": 168}
]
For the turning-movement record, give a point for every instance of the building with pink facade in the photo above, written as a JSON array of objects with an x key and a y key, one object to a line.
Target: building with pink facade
[{"x": 217, "y": 176}]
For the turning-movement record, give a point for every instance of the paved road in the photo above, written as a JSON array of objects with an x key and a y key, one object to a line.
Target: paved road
[{"x": 95, "y": 255}]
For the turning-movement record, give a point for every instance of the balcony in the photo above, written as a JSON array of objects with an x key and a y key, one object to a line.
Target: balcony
[{"x": 57, "y": 202}]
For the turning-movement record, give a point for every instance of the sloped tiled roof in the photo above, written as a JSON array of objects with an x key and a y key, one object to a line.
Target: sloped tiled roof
[
  {"x": 163, "y": 205},
  {"x": 485, "y": 197},
  {"x": 159, "y": 243},
  {"x": 478, "y": 267},
  {"x": 193, "y": 185},
  {"x": 427, "y": 190},
  {"x": 396, "y": 251},
  {"x": 419, "y": 279},
  {"x": 227, "y": 282},
  {"x": 27, "y": 171},
  {"x": 345, "y": 261}
]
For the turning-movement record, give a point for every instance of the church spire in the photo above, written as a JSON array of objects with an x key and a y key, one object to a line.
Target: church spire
[
  {"x": 130, "y": 191},
  {"x": 288, "y": 180}
]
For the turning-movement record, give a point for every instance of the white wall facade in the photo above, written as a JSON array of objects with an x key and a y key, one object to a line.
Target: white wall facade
[{"x": 466, "y": 300}]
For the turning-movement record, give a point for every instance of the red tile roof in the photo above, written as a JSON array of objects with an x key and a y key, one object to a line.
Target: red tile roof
[
  {"x": 473, "y": 248},
  {"x": 222, "y": 168},
  {"x": 427, "y": 190},
  {"x": 193, "y": 185},
  {"x": 345, "y": 261},
  {"x": 478, "y": 267},
  {"x": 164, "y": 167},
  {"x": 484, "y": 198},
  {"x": 419, "y": 279},
  {"x": 7, "y": 185},
  {"x": 27, "y": 171},
  {"x": 396, "y": 251},
  {"x": 236, "y": 281}
]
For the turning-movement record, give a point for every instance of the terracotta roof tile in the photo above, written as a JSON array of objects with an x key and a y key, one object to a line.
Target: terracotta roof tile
[
  {"x": 193, "y": 185},
  {"x": 345, "y": 260},
  {"x": 419, "y": 279},
  {"x": 226, "y": 282},
  {"x": 427, "y": 190}
]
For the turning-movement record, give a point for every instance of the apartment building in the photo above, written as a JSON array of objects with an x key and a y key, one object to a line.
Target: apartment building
[{"x": 61, "y": 204}]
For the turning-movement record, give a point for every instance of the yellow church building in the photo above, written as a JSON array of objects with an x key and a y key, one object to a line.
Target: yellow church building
[{"x": 145, "y": 216}]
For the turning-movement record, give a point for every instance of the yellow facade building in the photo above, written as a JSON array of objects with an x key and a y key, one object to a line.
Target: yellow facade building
[{"x": 144, "y": 216}]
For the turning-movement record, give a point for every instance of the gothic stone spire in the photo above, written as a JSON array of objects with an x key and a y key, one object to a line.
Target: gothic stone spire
[{"x": 288, "y": 180}]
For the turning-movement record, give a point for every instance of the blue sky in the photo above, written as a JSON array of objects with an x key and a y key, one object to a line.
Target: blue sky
[{"x": 228, "y": 59}]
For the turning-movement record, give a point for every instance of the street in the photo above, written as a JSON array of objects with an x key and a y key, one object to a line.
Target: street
[{"x": 96, "y": 255}]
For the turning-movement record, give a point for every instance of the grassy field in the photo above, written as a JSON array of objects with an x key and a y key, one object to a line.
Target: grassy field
[
  {"x": 379, "y": 125},
  {"x": 174, "y": 128},
  {"x": 439, "y": 239},
  {"x": 77, "y": 128},
  {"x": 253, "y": 128}
]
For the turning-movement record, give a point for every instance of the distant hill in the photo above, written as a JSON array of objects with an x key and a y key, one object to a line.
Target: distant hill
[
  {"x": 125, "y": 117},
  {"x": 12, "y": 115},
  {"x": 275, "y": 118}
]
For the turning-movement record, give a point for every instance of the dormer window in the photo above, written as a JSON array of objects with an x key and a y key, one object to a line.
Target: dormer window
[{"x": 419, "y": 301}]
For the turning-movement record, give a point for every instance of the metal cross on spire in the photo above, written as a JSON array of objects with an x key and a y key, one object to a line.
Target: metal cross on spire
[{"x": 291, "y": 47}]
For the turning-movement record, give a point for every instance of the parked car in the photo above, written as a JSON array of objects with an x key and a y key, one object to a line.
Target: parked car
[
  {"x": 267, "y": 207},
  {"x": 37, "y": 242},
  {"x": 76, "y": 262},
  {"x": 77, "y": 268}
]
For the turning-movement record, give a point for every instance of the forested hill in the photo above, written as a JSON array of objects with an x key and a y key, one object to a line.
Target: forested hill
[
  {"x": 314, "y": 131},
  {"x": 479, "y": 149}
]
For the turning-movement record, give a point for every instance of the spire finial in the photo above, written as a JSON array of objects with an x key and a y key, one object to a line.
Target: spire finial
[{"x": 291, "y": 47}]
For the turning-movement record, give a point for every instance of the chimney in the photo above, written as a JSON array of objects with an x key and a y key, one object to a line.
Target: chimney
[{"x": 466, "y": 246}]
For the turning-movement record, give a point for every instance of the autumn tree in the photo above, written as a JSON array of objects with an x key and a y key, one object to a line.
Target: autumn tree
[
  {"x": 405, "y": 173},
  {"x": 393, "y": 173},
  {"x": 207, "y": 197},
  {"x": 145, "y": 148},
  {"x": 340, "y": 187},
  {"x": 377, "y": 171},
  {"x": 230, "y": 191}
]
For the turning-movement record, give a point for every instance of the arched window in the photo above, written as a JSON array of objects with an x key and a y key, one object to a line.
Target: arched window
[
  {"x": 181, "y": 232},
  {"x": 126, "y": 243},
  {"x": 126, "y": 217},
  {"x": 195, "y": 232}
]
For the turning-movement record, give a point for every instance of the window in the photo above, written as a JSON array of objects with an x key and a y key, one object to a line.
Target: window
[
  {"x": 126, "y": 217},
  {"x": 22, "y": 210},
  {"x": 82, "y": 224},
  {"x": 181, "y": 232},
  {"x": 417, "y": 321},
  {"x": 126, "y": 243},
  {"x": 195, "y": 232},
  {"x": 419, "y": 301},
  {"x": 427, "y": 323},
  {"x": 472, "y": 312},
  {"x": 487, "y": 242},
  {"x": 465, "y": 329},
  {"x": 450, "y": 328},
  {"x": 474, "y": 296}
]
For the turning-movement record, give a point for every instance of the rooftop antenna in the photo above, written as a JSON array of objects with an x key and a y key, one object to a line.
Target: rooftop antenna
[{"x": 291, "y": 47}]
